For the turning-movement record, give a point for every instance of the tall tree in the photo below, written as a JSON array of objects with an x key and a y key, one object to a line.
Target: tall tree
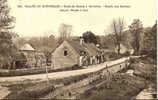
[
  {"x": 46, "y": 44},
  {"x": 5, "y": 19},
  {"x": 154, "y": 35},
  {"x": 117, "y": 28},
  {"x": 107, "y": 42},
  {"x": 6, "y": 44},
  {"x": 136, "y": 29},
  {"x": 89, "y": 37},
  {"x": 149, "y": 41}
]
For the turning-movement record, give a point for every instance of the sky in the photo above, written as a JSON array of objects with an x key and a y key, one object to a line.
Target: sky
[{"x": 45, "y": 21}]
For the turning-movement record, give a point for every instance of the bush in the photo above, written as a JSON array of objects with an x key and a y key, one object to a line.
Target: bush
[
  {"x": 127, "y": 53},
  {"x": 33, "y": 92},
  {"x": 113, "y": 55},
  {"x": 119, "y": 87}
]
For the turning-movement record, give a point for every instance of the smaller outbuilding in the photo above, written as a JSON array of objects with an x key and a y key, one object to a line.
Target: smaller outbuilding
[
  {"x": 29, "y": 53},
  {"x": 33, "y": 58}
]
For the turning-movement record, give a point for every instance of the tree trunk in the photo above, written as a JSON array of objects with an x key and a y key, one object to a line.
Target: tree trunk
[{"x": 118, "y": 49}]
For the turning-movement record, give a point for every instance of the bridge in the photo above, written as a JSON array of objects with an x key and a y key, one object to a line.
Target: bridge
[
  {"x": 110, "y": 66},
  {"x": 97, "y": 76},
  {"x": 79, "y": 80}
]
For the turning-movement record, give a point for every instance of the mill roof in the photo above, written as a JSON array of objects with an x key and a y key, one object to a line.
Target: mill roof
[{"x": 89, "y": 48}]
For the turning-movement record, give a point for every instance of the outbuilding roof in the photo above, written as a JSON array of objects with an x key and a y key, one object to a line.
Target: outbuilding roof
[{"x": 27, "y": 47}]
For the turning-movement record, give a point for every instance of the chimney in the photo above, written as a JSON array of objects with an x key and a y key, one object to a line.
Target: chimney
[{"x": 81, "y": 41}]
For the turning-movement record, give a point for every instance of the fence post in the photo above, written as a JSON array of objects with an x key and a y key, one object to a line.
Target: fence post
[
  {"x": 106, "y": 65},
  {"x": 47, "y": 75}
]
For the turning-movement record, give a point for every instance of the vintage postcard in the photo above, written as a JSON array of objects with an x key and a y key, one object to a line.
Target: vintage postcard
[{"x": 78, "y": 49}]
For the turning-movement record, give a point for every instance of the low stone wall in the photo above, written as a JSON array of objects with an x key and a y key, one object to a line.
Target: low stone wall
[
  {"x": 26, "y": 71},
  {"x": 31, "y": 71}
]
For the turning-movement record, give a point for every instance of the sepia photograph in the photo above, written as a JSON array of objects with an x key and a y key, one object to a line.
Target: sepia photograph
[{"x": 78, "y": 50}]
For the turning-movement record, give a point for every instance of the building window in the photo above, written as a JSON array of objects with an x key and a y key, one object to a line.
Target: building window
[{"x": 65, "y": 53}]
